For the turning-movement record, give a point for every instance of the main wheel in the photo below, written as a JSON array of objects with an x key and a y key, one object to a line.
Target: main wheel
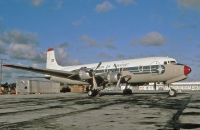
[
  {"x": 127, "y": 92},
  {"x": 93, "y": 93},
  {"x": 172, "y": 93}
]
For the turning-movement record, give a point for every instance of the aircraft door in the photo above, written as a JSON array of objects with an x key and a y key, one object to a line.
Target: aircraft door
[
  {"x": 140, "y": 68},
  {"x": 156, "y": 68}
]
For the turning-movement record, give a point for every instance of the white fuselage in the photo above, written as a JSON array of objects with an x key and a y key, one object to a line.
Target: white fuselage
[
  {"x": 149, "y": 61},
  {"x": 150, "y": 69}
]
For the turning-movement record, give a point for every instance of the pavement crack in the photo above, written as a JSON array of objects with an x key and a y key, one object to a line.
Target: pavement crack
[
  {"x": 50, "y": 117},
  {"x": 174, "y": 122}
]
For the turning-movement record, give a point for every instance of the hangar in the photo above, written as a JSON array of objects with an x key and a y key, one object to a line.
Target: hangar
[{"x": 36, "y": 86}]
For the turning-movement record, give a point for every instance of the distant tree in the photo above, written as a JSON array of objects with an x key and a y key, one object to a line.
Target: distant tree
[{"x": 6, "y": 85}]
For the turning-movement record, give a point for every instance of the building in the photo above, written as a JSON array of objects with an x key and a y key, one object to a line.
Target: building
[
  {"x": 36, "y": 86},
  {"x": 179, "y": 86}
]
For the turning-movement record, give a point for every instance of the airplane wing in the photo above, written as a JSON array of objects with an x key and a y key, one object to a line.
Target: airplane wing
[{"x": 58, "y": 73}]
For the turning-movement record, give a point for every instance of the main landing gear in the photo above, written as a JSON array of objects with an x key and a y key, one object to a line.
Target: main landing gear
[
  {"x": 127, "y": 92},
  {"x": 93, "y": 92}
]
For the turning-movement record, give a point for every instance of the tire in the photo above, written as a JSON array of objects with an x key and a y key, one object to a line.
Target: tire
[
  {"x": 93, "y": 93},
  {"x": 90, "y": 93},
  {"x": 172, "y": 93},
  {"x": 127, "y": 92}
]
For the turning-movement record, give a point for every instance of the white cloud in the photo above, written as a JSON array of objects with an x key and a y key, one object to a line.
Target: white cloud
[
  {"x": 61, "y": 53},
  {"x": 63, "y": 57},
  {"x": 37, "y": 3},
  {"x": 120, "y": 56},
  {"x": 104, "y": 56},
  {"x": 24, "y": 46},
  {"x": 126, "y": 2},
  {"x": 18, "y": 37},
  {"x": 109, "y": 43},
  {"x": 78, "y": 22},
  {"x": 22, "y": 51},
  {"x": 88, "y": 40},
  {"x": 194, "y": 4},
  {"x": 153, "y": 39},
  {"x": 2, "y": 47},
  {"x": 104, "y": 7},
  {"x": 18, "y": 45},
  {"x": 63, "y": 45},
  {"x": 2, "y": 26},
  {"x": 182, "y": 25},
  {"x": 59, "y": 4}
]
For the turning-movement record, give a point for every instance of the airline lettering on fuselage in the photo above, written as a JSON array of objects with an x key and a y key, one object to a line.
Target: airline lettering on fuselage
[{"x": 154, "y": 69}]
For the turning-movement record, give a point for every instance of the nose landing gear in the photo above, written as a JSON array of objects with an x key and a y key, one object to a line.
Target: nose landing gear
[{"x": 172, "y": 93}]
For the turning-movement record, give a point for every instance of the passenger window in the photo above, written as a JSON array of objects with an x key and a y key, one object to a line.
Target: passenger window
[
  {"x": 126, "y": 69},
  {"x": 153, "y": 67},
  {"x": 140, "y": 68},
  {"x": 146, "y": 67}
]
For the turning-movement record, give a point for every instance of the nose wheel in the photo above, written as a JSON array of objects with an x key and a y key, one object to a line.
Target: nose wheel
[{"x": 172, "y": 93}]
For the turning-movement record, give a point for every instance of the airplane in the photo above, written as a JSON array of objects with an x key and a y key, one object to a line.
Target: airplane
[{"x": 100, "y": 75}]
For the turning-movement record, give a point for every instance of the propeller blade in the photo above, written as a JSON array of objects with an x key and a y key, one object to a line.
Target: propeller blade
[
  {"x": 94, "y": 82},
  {"x": 98, "y": 65},
  {"x": 92, "y": 72},
  {"x": 115, "y": 66},
  {"x": 118, "y": 82}
]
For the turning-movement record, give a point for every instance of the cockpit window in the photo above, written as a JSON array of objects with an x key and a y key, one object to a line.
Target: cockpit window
[
  {"x": 173, "y": 62},
  {"x": 169, "y": 62}
]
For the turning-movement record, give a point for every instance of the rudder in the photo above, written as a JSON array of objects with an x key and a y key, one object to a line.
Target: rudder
[{"x": 51, "y": 60}]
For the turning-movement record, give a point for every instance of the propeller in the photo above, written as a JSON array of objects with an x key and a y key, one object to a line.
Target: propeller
[
  {"x": 93, "y": 72},
  {"x": 120, "y": 77},
  {"x": 98, "y": 65},
  {"x": 128, "y": 77},
  {"x": 115, "y": 67}
]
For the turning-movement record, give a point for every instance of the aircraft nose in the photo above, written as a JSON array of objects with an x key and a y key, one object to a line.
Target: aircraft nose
[{"x": 187, "y": 70}]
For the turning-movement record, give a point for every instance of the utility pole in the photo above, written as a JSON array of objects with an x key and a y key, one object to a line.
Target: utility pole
[{"x": 1, "y": 70}]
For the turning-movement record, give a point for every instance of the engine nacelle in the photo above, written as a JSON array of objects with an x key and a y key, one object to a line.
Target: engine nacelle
[
  {"x": 113, "y": 77},
  {"x": 84, "y": 74}
]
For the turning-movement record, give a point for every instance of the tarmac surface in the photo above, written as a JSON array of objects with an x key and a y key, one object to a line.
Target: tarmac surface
[{"x": 73, "y": 111}]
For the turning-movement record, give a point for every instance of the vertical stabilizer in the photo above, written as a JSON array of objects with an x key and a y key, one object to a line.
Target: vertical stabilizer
[{"x": 51, "y": 60}]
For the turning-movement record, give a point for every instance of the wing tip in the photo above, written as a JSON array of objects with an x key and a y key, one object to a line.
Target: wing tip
[
  {"x": 50, "y": 49},
  {"x": 7, "y": 65}
]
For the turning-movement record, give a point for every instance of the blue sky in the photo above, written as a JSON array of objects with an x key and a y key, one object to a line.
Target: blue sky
[{"x": 87, "y": 31}]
